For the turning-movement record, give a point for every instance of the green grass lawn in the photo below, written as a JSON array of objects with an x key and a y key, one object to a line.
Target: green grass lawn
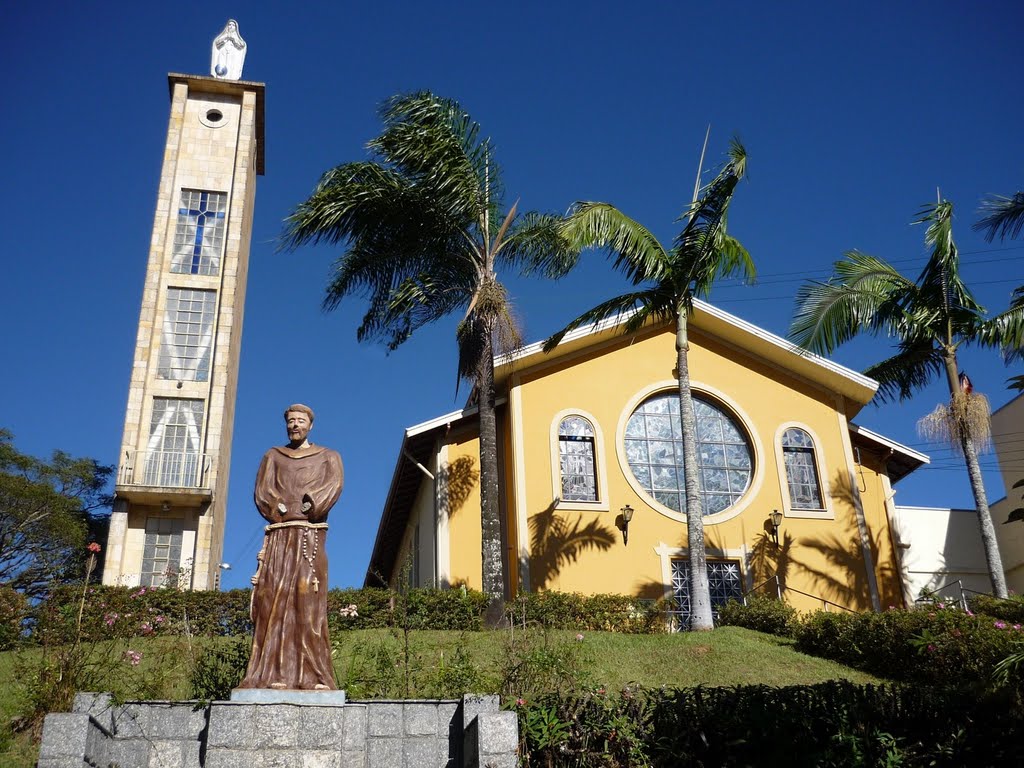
[{"x": 371, "y": 664}]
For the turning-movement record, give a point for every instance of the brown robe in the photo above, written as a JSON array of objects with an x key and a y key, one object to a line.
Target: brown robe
[{"x": 290, "y": 644}]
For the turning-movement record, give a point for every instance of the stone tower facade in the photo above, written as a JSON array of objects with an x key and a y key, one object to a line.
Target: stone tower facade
[{"x": 167, "y": 527}]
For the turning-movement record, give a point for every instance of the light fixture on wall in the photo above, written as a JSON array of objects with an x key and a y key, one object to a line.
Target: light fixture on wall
[
  {"x": 165, "y": 507},
  {"x": 774, "y": 523},
  {"x": 626, "y": 514}
]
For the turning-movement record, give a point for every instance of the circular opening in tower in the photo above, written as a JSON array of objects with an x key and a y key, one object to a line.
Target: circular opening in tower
[{"x": 214, "y": 116}]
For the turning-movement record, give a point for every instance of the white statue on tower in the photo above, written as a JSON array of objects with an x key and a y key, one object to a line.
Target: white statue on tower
[{"x": 228, "y": 53}]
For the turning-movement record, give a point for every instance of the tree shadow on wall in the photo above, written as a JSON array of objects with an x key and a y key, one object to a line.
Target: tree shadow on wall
[
  {"x": 558, "y": 539},
  {"x": 768, "y": 559},
  {"x": 456, "y": 480},
  {"x": 844, "y": 577}
]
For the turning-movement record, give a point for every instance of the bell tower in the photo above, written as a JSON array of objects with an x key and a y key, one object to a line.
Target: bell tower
[{"x": 167, "y": 527}]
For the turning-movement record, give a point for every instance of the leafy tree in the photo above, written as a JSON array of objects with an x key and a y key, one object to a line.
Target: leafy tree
[
  {"x": 1004, "y": 217},
  {"x": 424, "y": 230},
  {"x": 47, "y": 510},
  {"x": 668, "y": 280},
  {"x": 931, "y": 319}
]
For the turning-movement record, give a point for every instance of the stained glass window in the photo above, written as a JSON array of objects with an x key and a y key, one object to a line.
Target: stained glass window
[
  {"x": 173, "y": 452},
  {"x": 654, "y": 451},
  {"x": 724, "y": 581},
  {"x": 801, "y": 470},
  {"x": 161, "y": 554},
  {"x": 187, "y": 340},
  {"x": 199, "y": 235},
  {"x": 577, "y": 460}
]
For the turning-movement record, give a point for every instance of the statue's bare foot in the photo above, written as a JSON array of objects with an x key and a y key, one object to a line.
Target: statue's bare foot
[
  {"x": 320, "y": 687},
  {"x": 277, "y": 685}
]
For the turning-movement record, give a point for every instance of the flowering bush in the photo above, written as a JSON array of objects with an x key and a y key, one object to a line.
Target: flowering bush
[{"x": 942, "y": 647}]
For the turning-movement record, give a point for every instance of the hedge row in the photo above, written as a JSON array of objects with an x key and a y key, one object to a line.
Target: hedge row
[
  {"x": 138, "y": 610},
  {"x": 931, "y": 645},
  {"x": 829, "y": 724}
]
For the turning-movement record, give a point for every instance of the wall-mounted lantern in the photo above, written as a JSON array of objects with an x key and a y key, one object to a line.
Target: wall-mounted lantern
[
  {"x": 775, "y": 522},
  {"x": 626, "y": 514}
]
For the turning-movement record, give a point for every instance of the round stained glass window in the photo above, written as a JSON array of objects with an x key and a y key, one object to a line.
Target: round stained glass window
[{"x": 654, "y": 450}]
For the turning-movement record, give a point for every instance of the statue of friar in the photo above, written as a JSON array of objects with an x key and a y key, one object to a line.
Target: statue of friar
[{"x": 296, "y": 486}]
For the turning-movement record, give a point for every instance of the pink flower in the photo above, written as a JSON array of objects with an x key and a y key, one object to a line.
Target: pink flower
[
  {"x": 579, "y": 637},
  {"x": 159, "y": 619},
  {"x": 133, "y": 657},
  {"x": 942, "y": 606},
  {"x": 999, "y": 624},
  {"x": 931, "y": 648},
  {"x": 1016, "y": 626},
  {"x": 94, "y": 548},
  {"x": 520, "y": 702},
  {"x": 601, "y": 691},
  {"x": 110, "y": 618},
  {"x": 146, "y": 628}
]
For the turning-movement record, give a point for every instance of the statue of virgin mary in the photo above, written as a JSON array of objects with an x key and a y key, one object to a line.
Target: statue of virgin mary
[{"x": 228, "y": 53}]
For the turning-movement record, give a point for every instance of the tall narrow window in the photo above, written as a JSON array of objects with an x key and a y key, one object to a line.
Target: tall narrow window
[
  {"x": 199, "y": 236},
  {"x": 172, "y": 455},
  {"x": 801, "y": 469},
  {"x": 187, "y": 341},
  {"x": 577, "y": 459},
  {"x": 161, "y": 554}
]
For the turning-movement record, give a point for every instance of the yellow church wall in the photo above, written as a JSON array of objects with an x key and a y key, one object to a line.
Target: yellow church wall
[
  {"x": 462, "y": 481},
  {"x": 577, "y": 547}
]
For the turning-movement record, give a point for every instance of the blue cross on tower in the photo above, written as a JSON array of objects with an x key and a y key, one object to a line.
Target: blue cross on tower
[{"x": 200, "y": 215}]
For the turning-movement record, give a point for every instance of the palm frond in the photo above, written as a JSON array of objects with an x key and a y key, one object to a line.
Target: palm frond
[
  {"x": 1001, "y": 216},
  {"x": 940, "y": 285},
  {"x": 535, "y": 242},
  {"x": 864, "y": 293},
  {"x": 433, "y": 142},
  {"x": 913, "y": 367},
  {"x": 644, "y": 305},
  {"x": 638, "y": 254},
  {"x": 1005, "y": 331}
]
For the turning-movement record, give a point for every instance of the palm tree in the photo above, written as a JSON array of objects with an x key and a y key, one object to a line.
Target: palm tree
[
  {"x": 1004, "y": 217},
  {"x": 423, "y": 231},
  {"x": 931, "y": 319},
  {"x": 668, "y": 280}
]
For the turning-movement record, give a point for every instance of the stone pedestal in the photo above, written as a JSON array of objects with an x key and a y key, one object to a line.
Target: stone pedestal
[{"x": 241, "y": 734}]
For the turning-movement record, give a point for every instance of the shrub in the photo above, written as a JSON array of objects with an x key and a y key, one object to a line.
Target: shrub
[
  {"x": 595, "y": 613},
  {"x": 944, "y": 647},
  {"x": 1010, "y": 610},
  {"x": 765, "y": 614},
  {"x": 829, "y": 724},
  {"x": 220, "y": 668},
  {"x": 13, "y": 613}
]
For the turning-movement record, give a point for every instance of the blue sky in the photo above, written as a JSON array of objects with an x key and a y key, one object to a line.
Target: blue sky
[{"x": 852, "y": 115}]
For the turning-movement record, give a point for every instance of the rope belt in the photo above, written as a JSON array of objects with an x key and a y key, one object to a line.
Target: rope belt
[
  {"x": 295, "y": 524},
  {"x": 309, "y": 558}
]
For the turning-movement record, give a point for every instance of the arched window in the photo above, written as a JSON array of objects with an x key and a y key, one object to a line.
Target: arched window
[
  {"x": 801, "y": 470},
  {"x": 654, "y": 451},
  {"x": 577, "y": 460}
]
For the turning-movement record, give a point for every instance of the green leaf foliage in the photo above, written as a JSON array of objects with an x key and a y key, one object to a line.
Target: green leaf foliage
[{"x": 47, "y": 510}]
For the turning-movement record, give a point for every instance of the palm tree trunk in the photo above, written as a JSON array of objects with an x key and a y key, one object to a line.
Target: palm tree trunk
[
  {"x": 700, "y": 590},
  {"x": 490, "y": 513},
  {"x": 988, "y": 531}
]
